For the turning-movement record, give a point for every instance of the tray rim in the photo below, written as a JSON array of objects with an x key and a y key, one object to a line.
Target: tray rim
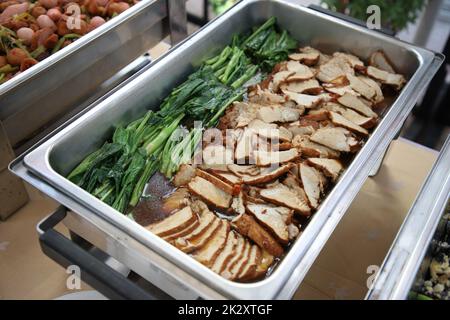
[{"x": 37, "y": 162}]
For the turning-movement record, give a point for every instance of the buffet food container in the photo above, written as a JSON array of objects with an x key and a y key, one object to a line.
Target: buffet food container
[
  {"x": 40, "y": 95},
  {"x": 47, "y": 165},
  {"x": 407, "y": 262}
]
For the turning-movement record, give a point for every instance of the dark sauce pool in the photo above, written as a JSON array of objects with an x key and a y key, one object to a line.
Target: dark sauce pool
[{"x": 151, "y": 207}]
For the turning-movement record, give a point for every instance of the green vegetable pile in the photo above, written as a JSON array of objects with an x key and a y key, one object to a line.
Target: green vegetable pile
[{"x": 118, "y": 171}]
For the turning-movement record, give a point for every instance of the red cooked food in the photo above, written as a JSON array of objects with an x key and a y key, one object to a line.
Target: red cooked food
[{"x": 32, "y": 31}]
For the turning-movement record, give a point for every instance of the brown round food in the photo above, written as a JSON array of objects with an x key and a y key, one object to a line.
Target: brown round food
[
  {"x": 27, "y": 63},
  {"x": 117, "y": 7}
]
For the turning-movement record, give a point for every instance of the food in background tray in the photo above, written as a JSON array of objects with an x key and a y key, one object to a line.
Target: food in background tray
[
  {"x": 268, "y": 159},
  {"x": 437, "y": 284},
  {"x": 30, "y": 31}
]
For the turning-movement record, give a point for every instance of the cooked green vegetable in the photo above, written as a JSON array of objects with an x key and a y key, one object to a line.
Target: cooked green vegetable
[{"x": 266, "y": 46}]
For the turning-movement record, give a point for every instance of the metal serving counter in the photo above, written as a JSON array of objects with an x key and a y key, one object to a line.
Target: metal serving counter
[{"x": 402, "y": 265}]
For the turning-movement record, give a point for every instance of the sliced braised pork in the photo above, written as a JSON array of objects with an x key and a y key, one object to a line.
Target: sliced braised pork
[
  {"x": 308, "y": 58},
  {"x": 185, "y": 174},
  {"x": 312, "y": 183},
  {"x": 304, "y": 100},
  {"x": 361, "y": 87},
  {"x": 392, "y": 79},
  {"x": 309, "y": 148},
  {"x": 195, "y": 241},
  {"x": 224, "y": 186},
  {"x": 341, "y": 121},
  {"x": 301, "y": 72},
  {"x": 267, "y": 158},
  {"x": 209, "y": 252},
  {"x": 267, "y": 175},
  {"x": 338, "y": 139},
  {"x": 282, "y": 195},
  {"x": 227, "y": 253},
  {"x": 272, "y": 218},
  {"x": 248, "y": 271},
  {"x": 379, "y": 60},
  {"x": 278, "y": 114},
  {"x": 247, "y": 226},
  {"x": 357, "y": 104},
  {"x": 174, "y": 223},
  {"x": 334, "y": 68},
  {"x": 330, "y": 167}
]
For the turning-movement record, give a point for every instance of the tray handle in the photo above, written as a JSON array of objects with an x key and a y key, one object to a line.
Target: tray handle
[
  {"x": 94, "y": 272},
  {"x": 348, "y": 18}
]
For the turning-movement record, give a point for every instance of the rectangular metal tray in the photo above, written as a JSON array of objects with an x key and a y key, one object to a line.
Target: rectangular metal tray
[
  {"x": 54, "y": 158},
  {"x": 52, "y": 87},
  {"x": 410, "y": 254}
]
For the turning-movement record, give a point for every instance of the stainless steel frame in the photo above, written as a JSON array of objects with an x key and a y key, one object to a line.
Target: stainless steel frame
[
  {"x": 54, "y": 158},
  {"x": 412, "y": 244},
  {"x": 48, "y": 90}
]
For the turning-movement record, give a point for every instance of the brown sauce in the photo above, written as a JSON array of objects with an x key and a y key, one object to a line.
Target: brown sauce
[{"x": 150, "y": 208}]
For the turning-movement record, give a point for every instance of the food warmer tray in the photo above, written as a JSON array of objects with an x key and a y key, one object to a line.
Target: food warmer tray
[
  {"x": 37, "y": 97},
  {"x": 47, "y": 164},
  {"x": 409, "y": 256}
]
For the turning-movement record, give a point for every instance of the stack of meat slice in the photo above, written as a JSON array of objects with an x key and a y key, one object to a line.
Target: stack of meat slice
[
  {"x": 280, "y": 153},
  {"x": 196, "y": 230}
]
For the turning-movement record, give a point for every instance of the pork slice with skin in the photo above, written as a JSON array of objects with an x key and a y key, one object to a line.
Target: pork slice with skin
[
  {"x": 309, "y": 148},
  {"x": 247, "y": 226},
  {"x": 341, "y": 121},
  {"x": 338, "y": 139},
  {"x": 249, "y": 270},
  {"x": 395, "y": 80},
  {"x": 282, "y": 195},
  {"x": 189, "y": 245},
  {"x": 310, "y": 86},
  {"x": 210, "y": 193},
  {"x": 267, "y": 175},
  {"x": 226, "y": 254},
  {"x": 330, "y": 167},
  {"x": 334, "y": 68},
  {"x": 173, "y": 223},
  {"x": 361, "y": 87},
  {"x": 271, "y": 219},
  {"x": 267, "y": 158},
  {"x": 308, "y": 58},
  {"x": 349, "y": 114},
  {"x": 185, "y": 174},
  {"x": 278, "y": 114},
  {"x": 355, "y": 103},
  {"x": 304, "y": 100},
  {"x": 209, "y": 252},
  {"x": 301, "y": 72},
  {"x": 311, "y": 183}
]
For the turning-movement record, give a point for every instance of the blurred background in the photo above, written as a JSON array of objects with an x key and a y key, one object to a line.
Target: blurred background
[{"x": 424, "y": 23}]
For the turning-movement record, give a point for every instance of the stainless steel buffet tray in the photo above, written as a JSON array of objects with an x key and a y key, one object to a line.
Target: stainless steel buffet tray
[
  {"x": 54, "y": 158},
  {"x": 41, "y": 94},
  {"x": 409, "y": 256}
]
